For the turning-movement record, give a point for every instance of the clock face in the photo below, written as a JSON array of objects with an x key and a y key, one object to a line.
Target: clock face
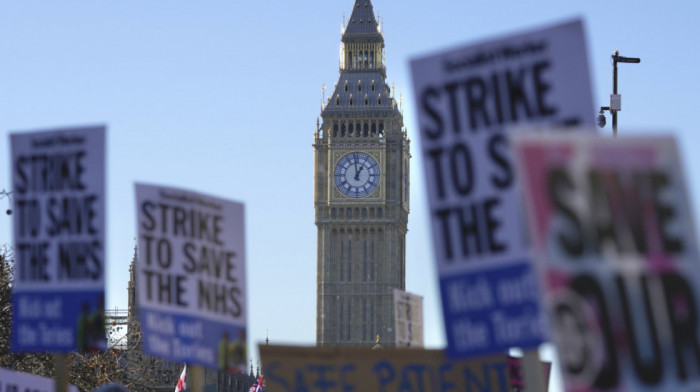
[{"x": 357, "y": 175}]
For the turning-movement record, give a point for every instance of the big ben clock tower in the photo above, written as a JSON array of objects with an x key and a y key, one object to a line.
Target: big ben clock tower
[{"x": 361, "y": 194}]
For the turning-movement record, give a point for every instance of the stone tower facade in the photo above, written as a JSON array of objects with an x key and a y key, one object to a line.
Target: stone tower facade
[{"x": 361, "y": 194}]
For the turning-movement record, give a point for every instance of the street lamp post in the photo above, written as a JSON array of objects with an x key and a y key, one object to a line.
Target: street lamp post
[
  {"x": 8, "y": 195},
  {"x": 615, "y": 98}
]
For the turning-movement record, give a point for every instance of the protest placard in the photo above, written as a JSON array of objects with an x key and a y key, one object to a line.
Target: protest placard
[
  {"x": 615, "y": 244},
  {"x": 12, "y": 381},
  {"x": 59, "y": 237},
  {"x": 361, "y": 369},
  {"x": 191, "y": 277},
  {"x": 466, "y": 99}
]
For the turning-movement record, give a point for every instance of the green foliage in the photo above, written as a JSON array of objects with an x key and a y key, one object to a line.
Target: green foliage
[{"x": 123, "y": 362}]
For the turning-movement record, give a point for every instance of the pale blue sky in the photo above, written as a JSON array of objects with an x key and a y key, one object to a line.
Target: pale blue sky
[{"x": 222, "y": 96}]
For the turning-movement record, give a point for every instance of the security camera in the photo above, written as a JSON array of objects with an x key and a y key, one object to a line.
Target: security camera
[
  {"x": 601, "y": 120},
  {"x": 8, "y": 212}
]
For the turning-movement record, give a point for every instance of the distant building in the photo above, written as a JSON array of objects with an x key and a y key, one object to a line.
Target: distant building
[
  {"x": 408, "y": 313},
  {"x": 166, "y": 373},
  {"x": 361, "y": 194}
]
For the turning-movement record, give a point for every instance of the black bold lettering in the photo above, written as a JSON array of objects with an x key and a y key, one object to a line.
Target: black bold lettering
[
  {"x": 498, "y": 145},
  {"x": 435, "y": 156},
  {"x": 164, "y": 208},
  {"x": 443, "y": 215},
  {"x": 469, "y": 228},
  {"x": 462, "y": 169},
  {"x": 234, "y": 294},
  {"x": 601, "y": 214},
  {"x": 190, "y": 262},
  {"x": 427, "y": 98},
  {"x": 149, "y": 275},
  {"x": 179, "y": 221},
  {"x": 609, "y": 374},
  {"x": 630, "y": 198},
  {"x": 147, "y": 207},
  {"x": 180, "y": 290},
  {"x": 664, "y": 213},
  {"x": 164, "y": 253},
  {"x": 492, "y": 224},
  {"x": 149, "y": 251},
  {"x": 216, "y": 225},
  {"x": 96, "y": 261},
  {"x": 475, "y": 90},
  {"x": 22, "y": 185},
  {"x": 516, "y": 93},
  {"x": 29, "y": 214},
  {"x": 454, "y": 110},
  {"x": 542, "y": 88},
  {"x": 497, "y": 98},
  {"x": 570, "y": 238}
]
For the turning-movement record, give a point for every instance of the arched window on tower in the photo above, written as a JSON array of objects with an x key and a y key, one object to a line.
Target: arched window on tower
[
  {"x": 366, "y": 100},
  {"x": 373, "y": 86},
  {"x": 349, "y": 260},
  {"x": 351, "y": 101},
  {"x": 364, "y": 261},
  {"x": 359, "y": 86},
  {"x": 342, "y": 130},
  {"x": 364, "y": 212},
  {"x": 379, "y": 212},
  {"x": 334, "y": 212},
  {"x": 351, "y": 128},
  {"x": 337, "y": 100},
  {"x": 379, "y": 99},
  {"x": 371, "y": 59},
  {"x": 371, "y": 258},
  {"x": 345, "y": 87}
]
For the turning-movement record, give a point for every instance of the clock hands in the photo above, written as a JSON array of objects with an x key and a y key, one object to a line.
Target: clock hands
[
  {"x": 358, "y": 183},
  {"x": 357, "y": 172}
]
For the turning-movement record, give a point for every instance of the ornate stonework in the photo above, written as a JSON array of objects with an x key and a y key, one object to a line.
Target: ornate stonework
[{"x": 361, "y": 194}]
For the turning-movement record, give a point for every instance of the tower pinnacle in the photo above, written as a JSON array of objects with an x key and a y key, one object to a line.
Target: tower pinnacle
[{"x": 362, "y": 25}]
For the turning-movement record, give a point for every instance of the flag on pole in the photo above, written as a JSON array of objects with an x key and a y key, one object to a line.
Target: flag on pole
[
  {"x": 182, "y": 382},
  {"x": 257, "y": 385}
]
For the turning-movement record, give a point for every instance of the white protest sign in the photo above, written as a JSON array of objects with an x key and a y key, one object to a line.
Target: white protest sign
[
  {"x": 616, "y": 248},
  {"x": 12, "y": 381},
  {"x": 191, "y": 277},
  {"x": 59, "y": 232},
  {"x": 466, "y": 98}
]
